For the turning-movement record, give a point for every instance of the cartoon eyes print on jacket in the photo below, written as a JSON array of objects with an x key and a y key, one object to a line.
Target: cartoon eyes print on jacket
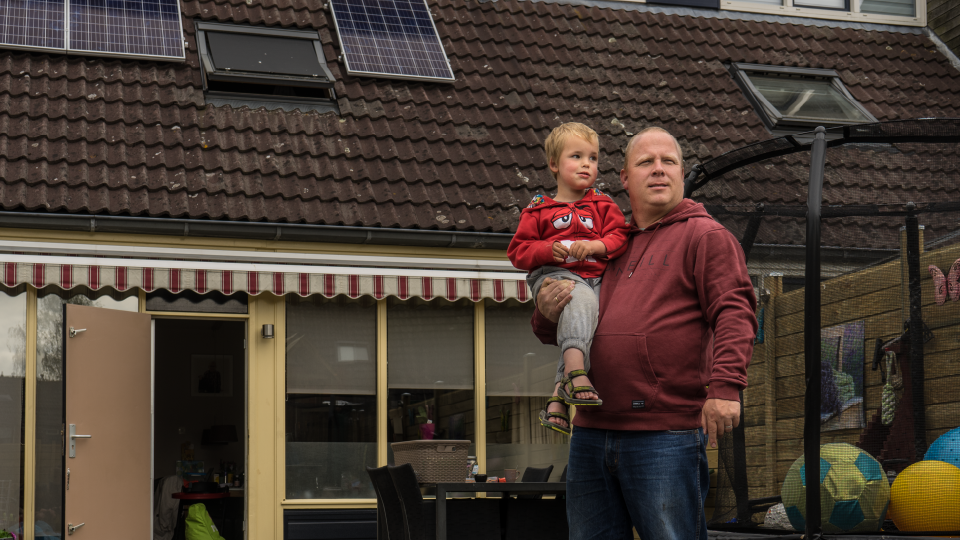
[{"x": 563, "y": 217}]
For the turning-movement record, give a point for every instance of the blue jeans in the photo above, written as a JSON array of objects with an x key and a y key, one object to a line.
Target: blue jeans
[{"x": 656, "y": 481}]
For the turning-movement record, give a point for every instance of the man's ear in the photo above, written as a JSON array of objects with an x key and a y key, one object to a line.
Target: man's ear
[{"x": 623, "y": 179}]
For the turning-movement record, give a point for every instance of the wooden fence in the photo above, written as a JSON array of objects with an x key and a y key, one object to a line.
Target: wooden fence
[{"x": 773, "y": 400}]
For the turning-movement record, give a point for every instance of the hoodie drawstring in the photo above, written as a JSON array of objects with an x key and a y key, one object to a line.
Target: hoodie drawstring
[{"x": 644, "y": 252}]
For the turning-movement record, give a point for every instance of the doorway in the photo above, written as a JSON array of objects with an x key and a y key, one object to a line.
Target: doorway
[{"x": 199, "y": 432}]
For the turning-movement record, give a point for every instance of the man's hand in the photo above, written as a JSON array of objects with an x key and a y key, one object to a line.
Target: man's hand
[
  {"x": 581, "y": 249},
  {"x": 719, "y": 417},
  {"x": 560, "y": 252},
  {"x": 554, "y": 296}
]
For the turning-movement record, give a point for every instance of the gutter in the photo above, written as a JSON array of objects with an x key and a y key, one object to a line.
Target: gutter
[{"x": 291, "y": 232}]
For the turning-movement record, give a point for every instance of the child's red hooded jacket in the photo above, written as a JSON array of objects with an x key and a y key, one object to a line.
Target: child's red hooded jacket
[{"x": 545, "y": 221}]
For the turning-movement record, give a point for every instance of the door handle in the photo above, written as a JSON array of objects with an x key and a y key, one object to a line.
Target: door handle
[
  {"x": 71, "y": 528},
  {"x": 73, "y": 333},
  {"x": 73, "y": 442}
]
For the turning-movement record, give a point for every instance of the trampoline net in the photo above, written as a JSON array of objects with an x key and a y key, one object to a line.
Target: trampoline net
[{"x": 889, "y": 364}]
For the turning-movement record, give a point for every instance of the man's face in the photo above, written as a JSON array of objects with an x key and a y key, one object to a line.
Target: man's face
[{"x": 654, "y": 176}]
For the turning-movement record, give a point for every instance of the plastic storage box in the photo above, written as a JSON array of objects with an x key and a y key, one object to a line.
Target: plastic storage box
[{"x": 434, "y": 460}]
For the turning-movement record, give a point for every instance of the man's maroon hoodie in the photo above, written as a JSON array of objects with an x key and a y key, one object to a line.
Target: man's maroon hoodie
[{"x": 676, "y": 316}]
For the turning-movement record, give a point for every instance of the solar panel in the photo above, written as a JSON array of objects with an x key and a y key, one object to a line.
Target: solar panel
[
  {"x": 390, "y": 38},
  {"x": 135, "y": 27},
  {"x": 117, "y": 27},
  {"x": 32, "y": 23}
]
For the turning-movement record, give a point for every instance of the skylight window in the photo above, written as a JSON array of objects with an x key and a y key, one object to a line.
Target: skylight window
[
  {"x": 263, "y": 65},
  {"x": 799, "y": 97}
]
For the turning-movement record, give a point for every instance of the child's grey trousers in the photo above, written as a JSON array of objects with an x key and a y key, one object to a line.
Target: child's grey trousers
[{"x": 578, "y": 320}]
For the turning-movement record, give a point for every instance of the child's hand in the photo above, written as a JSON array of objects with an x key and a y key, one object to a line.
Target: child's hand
[
  {"x": 559, "y": 252},
  {"x": 581, "y": 249}
]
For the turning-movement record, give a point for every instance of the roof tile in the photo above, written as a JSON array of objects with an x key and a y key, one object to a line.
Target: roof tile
[{"x": 94, "y": 135}]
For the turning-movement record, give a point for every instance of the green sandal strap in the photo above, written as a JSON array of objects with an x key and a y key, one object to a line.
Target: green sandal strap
[
  {"x": 583, "y": 389},
  {"x": 560, "y": 415},
  {"x": 554, "y": 399},
  {"x": 576, "y": 373}
]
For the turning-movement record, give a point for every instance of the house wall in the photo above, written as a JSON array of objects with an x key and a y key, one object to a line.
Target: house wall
[
  {"x": 265, "y": 408},
  {"x": 943, "y": 17}
]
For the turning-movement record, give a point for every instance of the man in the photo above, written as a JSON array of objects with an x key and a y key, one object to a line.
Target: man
[{"x": 669, "y": 356}]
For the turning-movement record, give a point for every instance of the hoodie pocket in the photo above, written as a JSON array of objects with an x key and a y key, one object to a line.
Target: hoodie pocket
[{"x": 620, "y": 369}]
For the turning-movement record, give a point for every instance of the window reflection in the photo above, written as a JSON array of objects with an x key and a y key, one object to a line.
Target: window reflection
[
  {"x": 430, "y": 371},
  {"x": 331, "y": 421},
  {"x": 807, "y": 99},
  {"x": 520, "y": 373},
  {"x": 49, "y": 453},
  {"x": 13, "y": 343}
]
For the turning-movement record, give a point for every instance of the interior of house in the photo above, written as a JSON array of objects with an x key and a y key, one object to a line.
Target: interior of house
[{"x": 199, "y": 419}]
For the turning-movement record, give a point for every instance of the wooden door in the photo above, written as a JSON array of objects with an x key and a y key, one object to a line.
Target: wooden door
[{"x": 107, "y": 436}]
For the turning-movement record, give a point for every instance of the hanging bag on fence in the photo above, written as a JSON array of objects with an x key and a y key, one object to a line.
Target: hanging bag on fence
[{"x": 891, "y": 390}]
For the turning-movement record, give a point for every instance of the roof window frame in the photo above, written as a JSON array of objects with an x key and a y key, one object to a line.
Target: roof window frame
[
  {"x": 771, "y": 116},
  {"x": 211, "y": 72}
]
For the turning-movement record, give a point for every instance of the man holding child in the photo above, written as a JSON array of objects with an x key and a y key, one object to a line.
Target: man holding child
[{"x": 669, "y": 355}]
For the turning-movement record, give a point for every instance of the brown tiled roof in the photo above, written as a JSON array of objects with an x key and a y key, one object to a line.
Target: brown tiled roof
[{"x": 111, "y": 136}]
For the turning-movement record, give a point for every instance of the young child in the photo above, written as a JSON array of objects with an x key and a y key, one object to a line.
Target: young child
[{"x": 570, "y": 237}]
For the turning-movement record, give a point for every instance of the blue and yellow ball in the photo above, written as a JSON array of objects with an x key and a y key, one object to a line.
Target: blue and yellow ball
[{"x": 854, "y": 491}]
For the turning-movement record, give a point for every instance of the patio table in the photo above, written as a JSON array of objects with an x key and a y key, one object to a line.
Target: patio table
[{"x": 443, "y": 488}]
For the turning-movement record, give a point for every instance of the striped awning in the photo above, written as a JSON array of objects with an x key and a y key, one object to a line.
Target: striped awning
[{"x": 252, "y": 278}]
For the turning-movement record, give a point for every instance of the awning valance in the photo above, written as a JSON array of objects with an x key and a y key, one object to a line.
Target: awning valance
[{"x": 279, "y": 279}]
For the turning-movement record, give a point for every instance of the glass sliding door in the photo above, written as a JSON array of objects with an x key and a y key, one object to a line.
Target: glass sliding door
[
  {"x": 430, "y": 371},
  {"x": 331, "y": 409},
  {"x": 520, "y": 377}
]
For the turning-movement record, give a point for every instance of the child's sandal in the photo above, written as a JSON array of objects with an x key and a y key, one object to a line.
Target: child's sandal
[
  {"x": 567, "y": 390},
  {"x": 546, "y": 415}
]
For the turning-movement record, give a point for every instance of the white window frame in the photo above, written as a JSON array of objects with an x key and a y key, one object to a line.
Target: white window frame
[{"x": 853, "y": 14}]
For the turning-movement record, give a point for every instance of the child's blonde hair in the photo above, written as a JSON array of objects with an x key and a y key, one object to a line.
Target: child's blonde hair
[{"x": 553, "y": 146}]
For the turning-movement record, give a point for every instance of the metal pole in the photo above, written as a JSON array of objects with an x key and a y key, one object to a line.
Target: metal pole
[
  {"x": 811, "y": 336},
  {"x": 916, "y": 333}
]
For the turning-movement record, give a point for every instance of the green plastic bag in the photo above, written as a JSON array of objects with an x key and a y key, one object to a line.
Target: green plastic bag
[{"x": 199, "y": 526}]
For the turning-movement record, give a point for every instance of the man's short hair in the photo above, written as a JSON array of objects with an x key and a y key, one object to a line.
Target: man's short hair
[
  {"x": 553, "y": 146},
  {"x": 635, "y": 138}
]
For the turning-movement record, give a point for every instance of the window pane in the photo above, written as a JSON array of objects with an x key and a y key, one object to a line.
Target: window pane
[
  {"x": 905, "y": 8},
  {"x": 831, "y": 4},
  {"x": 430, "y": 344},
  {"x": 264, "y": 54},
  {"x": 13, "y": 344},
  {"x": 331, "y": 345},
  {"x": 807, "y": 99},
  {"x": 520, "y": 377},
  {"x": 430, "y": 371},
  {"x": 768, "y": 2},
  {"x": 331, "y": 412},
  {"x": 50, "y": 301}
]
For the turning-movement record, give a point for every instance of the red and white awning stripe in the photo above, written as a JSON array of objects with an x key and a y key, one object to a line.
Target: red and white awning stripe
[{"x": 179, "y": 276}]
